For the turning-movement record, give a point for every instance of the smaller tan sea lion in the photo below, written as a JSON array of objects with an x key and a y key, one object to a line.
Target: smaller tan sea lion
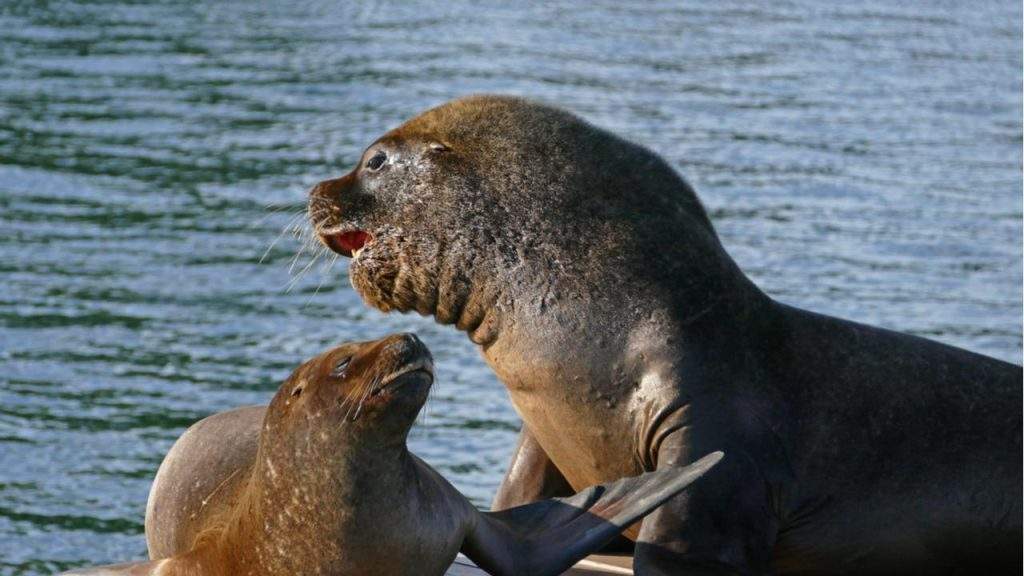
[{"x": 332, "y": 488}]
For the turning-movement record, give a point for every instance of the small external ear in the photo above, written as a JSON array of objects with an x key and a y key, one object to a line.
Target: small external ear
[{"x": 438, "y": 147}]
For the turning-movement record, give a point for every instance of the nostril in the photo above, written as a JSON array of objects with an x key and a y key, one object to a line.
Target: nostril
[
  {"x": 413, "y": 343},
  {"x": 403, "y": 343}
]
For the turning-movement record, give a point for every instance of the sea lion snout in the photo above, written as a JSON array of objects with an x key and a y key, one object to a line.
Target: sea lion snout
[
  {"x": 405, "y": 343},
  {"x": 408, "y": 357},
  {"x": 377, "y": 363},
  {"x": 334, "y": 207},
  {"x": 374, "y": 372}
]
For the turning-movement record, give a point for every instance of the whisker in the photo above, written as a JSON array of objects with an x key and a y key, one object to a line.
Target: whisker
[
  {"x": 294, "y": 281},
  {"x": 359, "y": 407},
  {"x": 428, "y": 404},
  {"x": 289, "y": 226},
  {"x": 349, "y": 399},
  {"x": 273, "y": 210},
  {"x": 361, "y": 392},
  {"x": 316, "y": 210},
  {"x": 323, "y": 277},
  {"x": 295, "y": 259},
  {"x": 293, "y": 222},
  {"x": 344, "y": 402}
]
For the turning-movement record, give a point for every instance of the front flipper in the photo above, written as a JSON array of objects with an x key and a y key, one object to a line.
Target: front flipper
[
  {"x": 546, "y": 538},
  {"x": 531, "y": 476}
]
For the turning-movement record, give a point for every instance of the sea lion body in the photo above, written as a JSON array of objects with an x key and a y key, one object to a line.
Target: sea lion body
[
  {"x": 920, "y": 473},
  {"x": 321, "y": 482},
  {"x": 223, "y": 445},
  {"x": 594, "y": 283},
  {"x": 408, "y": 490},
  {"x": 326, "y": 484}
]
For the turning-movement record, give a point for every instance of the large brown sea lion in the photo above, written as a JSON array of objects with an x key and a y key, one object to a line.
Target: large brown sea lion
[
  {"x": 329, "y": 487},
  {"x": 591, "y": 277}
]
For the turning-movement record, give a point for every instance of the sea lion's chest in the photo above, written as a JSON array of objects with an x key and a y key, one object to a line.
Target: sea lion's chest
[
  {"x": 401, "y": 544},
  {"x": 581, "y": 417},
  {"x": 402, "y": 521}
]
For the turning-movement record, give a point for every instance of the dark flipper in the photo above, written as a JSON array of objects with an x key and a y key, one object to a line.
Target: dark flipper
[
  {"x": 531, "y": 476},
  {"x": 546, "y": 538}
]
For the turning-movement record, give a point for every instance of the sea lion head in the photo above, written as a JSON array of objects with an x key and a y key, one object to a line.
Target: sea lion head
[
  {"x": 447, "y": 211},
  {"x": 364, "y": 394}
]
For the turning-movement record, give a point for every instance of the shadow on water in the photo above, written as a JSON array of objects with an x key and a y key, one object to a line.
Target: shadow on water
[{"x": 858, "y": 159}]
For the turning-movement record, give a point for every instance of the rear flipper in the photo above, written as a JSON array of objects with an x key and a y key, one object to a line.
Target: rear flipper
[{"x": 546, "y": 538}]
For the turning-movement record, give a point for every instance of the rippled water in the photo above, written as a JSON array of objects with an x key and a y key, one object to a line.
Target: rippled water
[{"x": 860, "y": 159}]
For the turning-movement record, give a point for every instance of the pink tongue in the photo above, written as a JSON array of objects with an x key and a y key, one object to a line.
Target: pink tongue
[{"x": 352, "y": 241}]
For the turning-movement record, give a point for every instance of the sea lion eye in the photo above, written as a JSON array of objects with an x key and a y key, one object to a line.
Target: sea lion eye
[
  {"x": 339, "y": 369},
  {"x": 438, "y": 147},
  {"x": 377, "y": 160},
  {"x": 297, "y": 391}
]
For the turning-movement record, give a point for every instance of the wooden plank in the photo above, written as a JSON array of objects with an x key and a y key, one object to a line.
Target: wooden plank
[{"x": 595, "y": 565}]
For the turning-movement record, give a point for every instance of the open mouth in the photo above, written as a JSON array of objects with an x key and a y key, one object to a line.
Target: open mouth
[{"x": 349, "y": 243}]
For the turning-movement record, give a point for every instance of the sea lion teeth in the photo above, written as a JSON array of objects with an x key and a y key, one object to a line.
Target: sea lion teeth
[{"x": 343, "y": 240}]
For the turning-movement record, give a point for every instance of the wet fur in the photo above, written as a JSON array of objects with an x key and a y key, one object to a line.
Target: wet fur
[
  {"x": 330, "y": 487},
  {"x": 629, "y": 340}
]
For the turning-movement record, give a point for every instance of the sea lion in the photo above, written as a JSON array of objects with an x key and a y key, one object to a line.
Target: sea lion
[
  {"x": 332, "y": 489},
  {"x": 592, "y": 279}
]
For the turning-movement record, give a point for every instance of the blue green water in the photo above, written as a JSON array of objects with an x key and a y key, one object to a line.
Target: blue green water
[{"x": 860, "y": 159}]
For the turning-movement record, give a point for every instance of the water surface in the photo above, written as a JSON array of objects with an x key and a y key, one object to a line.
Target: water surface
[{"x": 858, "y": 159}]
